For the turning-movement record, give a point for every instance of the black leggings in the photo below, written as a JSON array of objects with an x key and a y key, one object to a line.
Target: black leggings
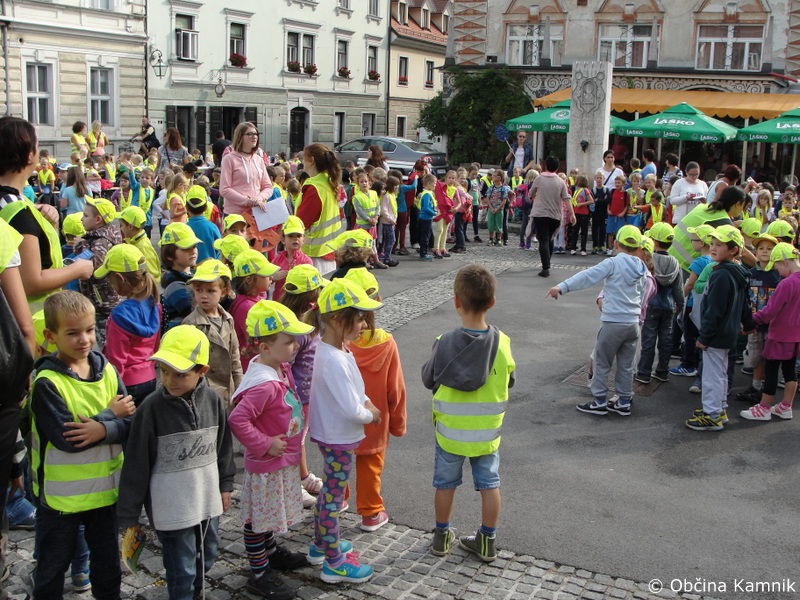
[{"x": 771, "y": 373}]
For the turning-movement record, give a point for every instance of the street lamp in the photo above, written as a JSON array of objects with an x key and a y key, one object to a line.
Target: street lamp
[{"x": 158, "y": 64}]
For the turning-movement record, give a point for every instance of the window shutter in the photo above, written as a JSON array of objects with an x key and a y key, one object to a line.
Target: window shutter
[
  {"x": 251, "y": 114},
  {"x": 216, "y": 121},
  {"x": 200, "y": 127},
  {"x": 172, "y": 116}
]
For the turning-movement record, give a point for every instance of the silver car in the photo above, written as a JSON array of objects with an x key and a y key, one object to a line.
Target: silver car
[{"x": 399, "y": 153}]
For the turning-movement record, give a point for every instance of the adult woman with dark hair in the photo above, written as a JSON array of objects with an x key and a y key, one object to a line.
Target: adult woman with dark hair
[
  {"x": 551, "y": 194},
  {"x": 77, "y": 140},
  {"x": 610, "y": 170},
  {"x": 671, "y": 167},
  {"x": 376, "y": 158},
  {"x": 730, "y": 176},
  {"x": 319, "y": 207},
  {"x": 172, "y": 151},
  {"x": 41, "y": 268},
  {"x": 245, "y": 184},
  {"x": 687, "y": 193},
  {"x": 420, "y": 170}
]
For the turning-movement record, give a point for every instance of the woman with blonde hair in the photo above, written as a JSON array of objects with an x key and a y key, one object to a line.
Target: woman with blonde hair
[{"x": 97, "y": 139}]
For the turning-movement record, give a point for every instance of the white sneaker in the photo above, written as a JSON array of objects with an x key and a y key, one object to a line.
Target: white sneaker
[
  {"x": 308, "y": 499},
  {"x": 757, "y": 413},
  {"x": 784, "y": 411}
]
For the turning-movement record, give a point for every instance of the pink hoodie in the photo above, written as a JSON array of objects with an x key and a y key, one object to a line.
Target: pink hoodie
[{"x": 243, "y": 178}]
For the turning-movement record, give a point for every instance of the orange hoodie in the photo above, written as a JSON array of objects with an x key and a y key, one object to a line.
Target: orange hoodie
[{"x": 379, "y": 362}]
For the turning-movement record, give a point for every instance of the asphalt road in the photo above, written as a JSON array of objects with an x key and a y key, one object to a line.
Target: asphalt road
[{"x": 639, "y": 497}]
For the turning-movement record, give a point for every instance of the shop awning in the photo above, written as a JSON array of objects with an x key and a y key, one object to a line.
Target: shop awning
[{"x": 715, "y": 104}]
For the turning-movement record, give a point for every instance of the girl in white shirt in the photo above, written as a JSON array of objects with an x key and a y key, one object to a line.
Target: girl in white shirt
[{"x": 687, "y": 193}]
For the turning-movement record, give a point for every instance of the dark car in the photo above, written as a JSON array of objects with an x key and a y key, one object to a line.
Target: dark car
[{"x": 399, "y": 153}]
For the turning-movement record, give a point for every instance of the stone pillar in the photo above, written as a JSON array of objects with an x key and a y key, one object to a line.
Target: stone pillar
[{"x": 589, "y": 114}]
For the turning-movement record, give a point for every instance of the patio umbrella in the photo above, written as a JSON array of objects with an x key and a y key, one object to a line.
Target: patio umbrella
[
  {"x": 555, "y": 118},
  {"x": 784, "y": 129},
  {"x": 681, "y": 122}
]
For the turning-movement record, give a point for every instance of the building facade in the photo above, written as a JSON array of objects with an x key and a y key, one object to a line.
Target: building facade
[
  {"x": 303, "y": 70},
  {"x": 75, "y": 60}
]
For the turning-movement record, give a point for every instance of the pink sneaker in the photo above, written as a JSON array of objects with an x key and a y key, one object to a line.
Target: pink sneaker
[
  {"x": 757, "y": 413},
  {"x": 374, "y": 522},
  {"x": 782, "y": 410}
]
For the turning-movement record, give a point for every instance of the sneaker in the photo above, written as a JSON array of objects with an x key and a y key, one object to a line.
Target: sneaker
[
  {"x": 747, "y": 370},
  {"x": 723, "y": 416},
  {"x": 391, "y": 262},
  {"x": 782, "y": 410},
  {"x": 661, "y": 375},
  {"x": 739, "y": 359},
  {"x": 269, "y": 585},
  {"x": 522, "y": 246},
  {"x": 81, "y": 582},
  {"x": 374, "y": 522},
  {"x": 445, "y": 254},
  {"x": 527, "y": 246},
  {"x": 442, "y": 541},
  {"x": 594, "y": 250},
  {"x": 426, "y": 257},
  {"x": 350, "y": 571},
  {"x": 573, "y": 252},
  {"x": 415, "y": 246},
  {"x": 283, "y": 560},
  {"x": 308, "y": 499},
  {"x": 491, "y": 242},
  {"x": 610, "y": 252},
  {"x": 437, "y": 255},
  {"x": 621, "y": 408},
  {"x": 460, "y": 251},
  {"x": 379, "y": 265},
  {"x": 682, "y": 371},
  {"x": 26, "y": 524},
  {"x": 311, "y": 483},
  {"x": 583, "y": 252},
  {"x": 751, "y": 395},
  {"x": 477, "y": 239},
  {"x": 704, "y": 422},
  {"x": 593, "y": 407},
  {"x": 642, "y": 377},
  {"x": 316, "y": 556},
  {"x": 480, "y": 544},
  {"x": 695, "y": 389},
  {"x": 759, "y": 412},
  {"x": 505, "y": 242}
]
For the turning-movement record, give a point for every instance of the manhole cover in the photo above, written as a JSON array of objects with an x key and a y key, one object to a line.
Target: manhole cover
[{"x": 579, "y": 379}]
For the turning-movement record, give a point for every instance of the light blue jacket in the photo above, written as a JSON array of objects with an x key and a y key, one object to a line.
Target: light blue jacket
[{"x": 624, "y": 277}]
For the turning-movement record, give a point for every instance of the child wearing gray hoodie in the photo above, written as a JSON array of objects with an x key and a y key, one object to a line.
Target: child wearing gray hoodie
[{"x": 624, "y": 277}]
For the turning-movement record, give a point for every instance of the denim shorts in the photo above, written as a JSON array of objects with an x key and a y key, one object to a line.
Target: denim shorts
[
  {"x": 447, "y": 470},
  {"x": 614, "y": 223}
]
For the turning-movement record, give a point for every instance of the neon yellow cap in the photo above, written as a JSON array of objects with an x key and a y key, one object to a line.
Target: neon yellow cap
[
  {"x": 252, "y": 262},
  {"x": 355, "y": 238},
  {"x": 133, "y": 215},
  {"x": 196, "y": 196},
  {"x": 73, "y": 225},
  {"x": 701, "y": 231},
  {"x": 181, "y": 235},
  {"x": 365, "y": 280},
  {"x": 231, "y": 220},
  {"x": 293, "y": 225},
  {"x": 780, "y": 229},
  {"x": 648, "y": 244},
  {"x": 303, "y": 278},
  {"x": 728, "y": 233},
  {"x": 661, "y": 232},
  {"x": 104, "y": 207},
  {"x": 751, "y": 227},
  {"x": 182, "y": 348},
  {"x": 122, "y": 258},
  {"x": 231, "y": 246},
  {"x": 629, "y": 235},
  {"x": 343, "y": 293},
  {"x": 782, "y": 251},
  {"x": 210, "y": 270},
  {"x": 267, "y": 317}
]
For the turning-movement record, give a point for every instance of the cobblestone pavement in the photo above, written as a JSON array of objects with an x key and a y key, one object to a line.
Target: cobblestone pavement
[{"x": 404, "y": 568}]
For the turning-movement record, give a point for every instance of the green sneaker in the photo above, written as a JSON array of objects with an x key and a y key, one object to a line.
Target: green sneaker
[
  {"x": 442, "y": 541},
  {"x": 480, "y": 544}
]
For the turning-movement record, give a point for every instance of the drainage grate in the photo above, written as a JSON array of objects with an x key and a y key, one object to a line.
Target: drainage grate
[{"x": 578, "y": 378}]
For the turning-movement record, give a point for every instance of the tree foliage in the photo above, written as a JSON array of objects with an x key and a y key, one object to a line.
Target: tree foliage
[{"x": 479, "y": 102}]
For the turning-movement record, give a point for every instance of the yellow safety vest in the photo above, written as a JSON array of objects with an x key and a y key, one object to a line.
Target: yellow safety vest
[
  {"x": 152, "y": 264},
  {"x": 56, "y": 258},
  {"x": 145, "y": 200},
  {"x": 77, "y": 147},
  {"x": 329, "y": 224},
  {"x": 468, "y": 423},
  {"x": 77, "y": 481},
  {"x": 656, "y": 213},
  {"x": 369, "y": 203},
  {"x": 516, "y": 182},
  {"x": 92, "y": 139},
  {"x": 10, "y": 239},
  {"x": 111, "y": 172}
]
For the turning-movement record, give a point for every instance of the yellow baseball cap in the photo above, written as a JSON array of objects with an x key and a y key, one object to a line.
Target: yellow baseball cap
[
  {"x": 73, "y": 225},
  {"x": 303, "y": 278},
  {"x": 181, "y": 235},
  {"x": 122, "y": 258},
  {"x": 134, "y": 216},
  {"x": 629, "y": 235},
  {"x": 365, "y": 280},
  {"x": 267, "y": 317},
  {"x": 782, "y": 251},
  {"x": 104, "y": 207},
  {"x": 343, "y": 293},
  {"x": 751, "y": 227},
  {"x": 182, "y": 348},
  {"x": 231, "y": 246},
  {"x": 701, "y": 231},
  {"x": 780, "y": 228},
  {"x": 648, "y": 244},
  {"x": 765, "y": 237},
  {"x": 355, "y": 238},
  {"x": 210, "y": 270},
  {"x": 293, "y": 225},
  {"x": 252, "y": 262},
  {"x": 196, "y": 196},
  {"x": 231, "y": 220},
  {"x": 728, "y": 233},
  {"x": 661, "y": 232}
]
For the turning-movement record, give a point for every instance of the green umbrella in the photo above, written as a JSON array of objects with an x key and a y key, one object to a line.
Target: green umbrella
[
  {"x": 784, "y": 129},
  {"x": 681, "y": 122},
  {"x": 555, "y": 118}
]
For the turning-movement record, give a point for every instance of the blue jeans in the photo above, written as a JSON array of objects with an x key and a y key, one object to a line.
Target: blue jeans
[
  {"x": 186, "y": 552},
  {"x": 57, "y": 537},
  {"x": 18, "y": 508},
  {"x": 448, "y": 468},
  {"x": 656, "y": 331}
]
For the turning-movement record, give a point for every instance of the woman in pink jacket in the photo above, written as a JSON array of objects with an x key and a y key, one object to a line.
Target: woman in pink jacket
[{"x": 245, "y": 185}]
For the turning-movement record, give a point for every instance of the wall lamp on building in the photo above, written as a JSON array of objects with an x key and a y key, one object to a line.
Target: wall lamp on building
[{"x": 158, "y": 64}]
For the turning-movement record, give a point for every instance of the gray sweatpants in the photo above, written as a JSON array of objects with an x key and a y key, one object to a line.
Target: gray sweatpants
[
  {"x": 615, "y": 340},
  {"x": 715, "y": 381}
]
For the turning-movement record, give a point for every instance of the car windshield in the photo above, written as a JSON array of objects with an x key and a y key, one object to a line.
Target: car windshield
[{"x": 417, "y": 147}]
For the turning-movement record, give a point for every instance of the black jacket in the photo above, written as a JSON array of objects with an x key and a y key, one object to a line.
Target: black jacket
[{"x": 726, "y": 306}]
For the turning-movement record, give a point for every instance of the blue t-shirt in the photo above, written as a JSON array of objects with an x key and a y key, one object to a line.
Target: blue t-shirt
[
  {"x": 208, "y": 233},
  {"x": 75, "y": 203},
  {"x": 697, "y": 267}
]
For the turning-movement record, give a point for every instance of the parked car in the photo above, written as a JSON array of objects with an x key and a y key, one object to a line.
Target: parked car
[{"x": 400, "y": 154}]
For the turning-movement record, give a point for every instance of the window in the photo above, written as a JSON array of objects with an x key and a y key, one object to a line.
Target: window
[
  {"x": 100, "y": 86},
  {"x": 292, "y": 47},
  {"x": 402, "y": 13},
  {"x": 237, "y": 45},
  {"x": 374, "y": 8},
  {"x": 344, "y": 4},
  {"x": 367, "y": 123},
  {"x": 401, "y": 127},
  {"x": 625, "y": 45},
  {"x": 429, "y": 73},
  {"x": 426, "y": 19},
  {"x": 402, "y": 69},
  {"x": 445, "y": 23},
  {"x": 186, "y": 37},
  {"x": 735, "y": 47},
  {"x": 308, "y": 49},
  {"x": 101, "y": 4},
  {"x": 39, "y": 89},
  {"x": 300, "y": 48},
  {"x": 372, "y": 58},
  {"x": 526, "y": 44},
  {"x": 338, "y": 128},
  {"x": 341, "y": 54}
]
